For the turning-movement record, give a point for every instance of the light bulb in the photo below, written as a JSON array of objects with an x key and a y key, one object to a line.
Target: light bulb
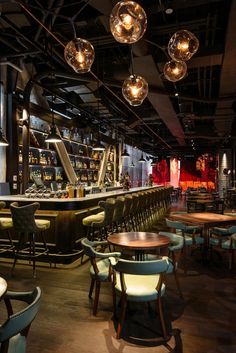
[
  {"x": 182, "y": 45},
  {"x": 175, "y": 70},
  {"x": 128, "y": 22},
  {"x": 79, "y": 54},
  {"x": 135, "y": 89}
]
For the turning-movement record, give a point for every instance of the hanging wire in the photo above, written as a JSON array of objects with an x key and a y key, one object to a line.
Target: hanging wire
[
  {"x": 73, "y": 26},
  {"x": 132, "y": 60}
]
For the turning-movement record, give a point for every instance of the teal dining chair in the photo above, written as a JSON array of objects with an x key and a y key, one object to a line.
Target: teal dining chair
[
  {"x": 139, "y": 281},
  {"x": 14, "y": 331},
  {"x": 100, "y": 270}
]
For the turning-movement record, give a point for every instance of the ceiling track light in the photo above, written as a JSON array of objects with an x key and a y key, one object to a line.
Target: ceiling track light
[{"x": 128, "y": 22}]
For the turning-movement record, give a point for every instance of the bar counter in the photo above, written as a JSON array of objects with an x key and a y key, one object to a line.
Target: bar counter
[
  {"x": 71, "y": 204},
  {"x": 66, "y": 215}
]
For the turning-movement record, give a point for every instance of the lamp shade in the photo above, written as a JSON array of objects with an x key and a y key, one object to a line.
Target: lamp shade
[
  {"x": 128, "y": 22},
  {"x": 132, "y": 165},
  {"x": 153, "y": 162},
  {"x": 182, "y": 45},
  {"x": 98, "y": 146},
  {"x": 125, "y": 153},
  {"x": 79, "y": 54},
  {"x": 135, "y": 89},
  {"x": 3, "y": 140},
  {"x": 141, "y": 159},
  {"x": 175, "y": 70},
  {"x": 53, "y": 135}
]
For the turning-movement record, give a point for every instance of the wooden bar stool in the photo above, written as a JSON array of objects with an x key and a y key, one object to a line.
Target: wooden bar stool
[{"x": 28, "y": 227}]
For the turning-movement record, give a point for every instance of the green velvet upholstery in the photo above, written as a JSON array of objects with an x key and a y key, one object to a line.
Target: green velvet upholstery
[
  {"x": 6, "y": 223},
  {"x": 13, "y": 332},
  {"x": 89, "y": 220},
  {"x": 138, "y": 281},
  {"x": 224, "y": 243},
  {"x": 188, "y": 232},
  {"x": 100, "y": 266},
  {"x": 223, "y": 231},
  {"x": 177, "y": 241},
  {"x": 42, "y": 224},
  {"x": 30, "y": 231}
]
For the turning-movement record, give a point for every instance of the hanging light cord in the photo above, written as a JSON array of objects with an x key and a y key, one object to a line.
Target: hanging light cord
[{"x": 95, "y": 76}]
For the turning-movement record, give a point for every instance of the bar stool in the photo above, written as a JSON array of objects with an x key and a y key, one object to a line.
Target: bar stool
[
  {"x": 27, "y": 227},
  {"x": 100, "y": 222},
  {"x": 5, "y": 225}
]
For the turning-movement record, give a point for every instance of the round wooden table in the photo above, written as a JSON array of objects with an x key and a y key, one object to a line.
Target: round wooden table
[
  {"x": 139, "y": 242},
  {"x": 3, "y": 287}
]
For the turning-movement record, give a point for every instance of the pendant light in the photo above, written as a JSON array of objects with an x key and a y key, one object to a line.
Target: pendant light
[
  {"x": 98, "y": 146},
  {"x": 142, "y": 159},
  {"x": 3, "y": 140},
  {"x": 128, "y": 22},
  {"x": 134, "y": 88},
  {"x": 125, "y": 153},
  {"x": 53, "y": 136},
  {"x": 153, "y": 162},
  {"x": 175, "y": 70},
  {"x": 79, "y": 54},
  {"x": 183, "y": 45}
]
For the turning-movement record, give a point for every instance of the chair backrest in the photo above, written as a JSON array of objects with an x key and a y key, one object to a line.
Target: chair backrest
[
  {"x": 175, "y": 224},
  {"x": 141, "y": 267},
  {"x": 23, "y": 217},
  {"x": 108, "y": 207},
  {"x": 20, "y": 321},
  {"x": 5, "y": 189},
  {"x": 88, "y": 247},
  {"x": 232, "y": 229},
  {"x": 2, "y": 205}
]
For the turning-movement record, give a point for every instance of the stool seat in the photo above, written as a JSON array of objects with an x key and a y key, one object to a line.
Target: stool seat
[
  {"x": 98, "y": 217},
  {"x": 42, "y": 224},
  {"x": 5, "y": 223}
]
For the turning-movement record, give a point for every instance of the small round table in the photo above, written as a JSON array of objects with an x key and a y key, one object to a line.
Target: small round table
[
  {"x": 3, "y": 287},
  {"x": 139, "y": 242}
]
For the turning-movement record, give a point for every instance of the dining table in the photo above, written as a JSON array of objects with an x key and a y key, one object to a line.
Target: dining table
[
  {"x": 139, "y": 242},
  {"x": 204, "y": 219}
]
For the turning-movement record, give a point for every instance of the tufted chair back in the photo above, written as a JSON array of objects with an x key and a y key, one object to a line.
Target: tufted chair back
[{"x": 23, "y": 217}]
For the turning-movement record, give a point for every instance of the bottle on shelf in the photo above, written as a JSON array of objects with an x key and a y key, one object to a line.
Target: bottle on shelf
[{"x": 20, "y": 156}]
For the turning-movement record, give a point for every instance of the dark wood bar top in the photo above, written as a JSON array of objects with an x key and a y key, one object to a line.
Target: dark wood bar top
[{"x": 70, "y": 204}]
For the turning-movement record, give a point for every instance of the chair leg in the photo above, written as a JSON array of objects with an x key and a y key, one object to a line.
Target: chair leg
[
  {"x": 177, "y": 284},
  {"x": 33, "y": 254},
  {"x": 122, "y": 316},
  {"x": 162, "y": 321},
  {"x": 91, "y": 287},
  {"x": 97, "y": 291}
]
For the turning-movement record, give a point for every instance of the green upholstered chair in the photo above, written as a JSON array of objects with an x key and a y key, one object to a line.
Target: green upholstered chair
[
  {"x": 224, "y": 243},
  {"x": 14, "y": 331},
  {"x": 139, "y": 281},
  {"x": 6, "y": 224},
  {"x": 102, "y": 221},
  {"x": 27, "y": 227},
  {"x": 222, "y": 231},
  {"x": 192, "y": 236},
  {"x": 174, "y": 249},
  {"x": 100, "y": 266}
]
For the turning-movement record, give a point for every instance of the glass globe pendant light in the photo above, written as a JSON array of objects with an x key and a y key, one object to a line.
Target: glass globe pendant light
[
  {"x": 128, "y": 22},
  {"x": 79, "y": 54},
  {"x": 135, "y": 89},
  {"x": 182, "y": 45},
  {"x": 175, "y": 70}
]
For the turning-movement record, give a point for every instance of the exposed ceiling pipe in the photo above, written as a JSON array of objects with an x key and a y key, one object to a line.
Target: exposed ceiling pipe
[{"x": 8, "y": 63}]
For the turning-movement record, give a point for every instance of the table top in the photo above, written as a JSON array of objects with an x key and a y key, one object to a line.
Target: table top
[
  {"x": 138, "y": 240},
  {"x": 3, "y": 286},
  {"x": 206, "y": 218}
]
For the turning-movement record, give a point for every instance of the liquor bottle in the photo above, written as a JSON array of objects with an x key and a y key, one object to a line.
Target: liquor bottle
[{"x": 20, "y": 157}]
